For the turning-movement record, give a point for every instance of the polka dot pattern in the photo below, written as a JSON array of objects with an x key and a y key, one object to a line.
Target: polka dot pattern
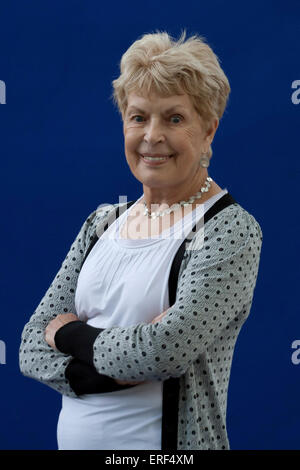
[
  {"x": 194, "y": 341},
  {"x": 36, "y": 359}
]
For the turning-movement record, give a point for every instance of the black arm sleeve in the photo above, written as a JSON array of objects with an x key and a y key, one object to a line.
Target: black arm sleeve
[
  {"x": 77, "y": 338},
  {"x": 84, "y": 379}
]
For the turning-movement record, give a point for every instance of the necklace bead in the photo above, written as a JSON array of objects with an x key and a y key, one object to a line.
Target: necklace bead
[{"x": 180, "y": 204}]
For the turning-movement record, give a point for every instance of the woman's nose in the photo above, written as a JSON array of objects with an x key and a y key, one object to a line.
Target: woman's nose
[{"x": 154, "y": 133}]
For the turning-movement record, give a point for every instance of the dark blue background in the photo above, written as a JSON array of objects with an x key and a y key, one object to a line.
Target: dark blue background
[{"x": 62, "y": 155}]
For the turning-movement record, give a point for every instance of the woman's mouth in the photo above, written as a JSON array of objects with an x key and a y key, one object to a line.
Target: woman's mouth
[{"x": 154, "y": 160}]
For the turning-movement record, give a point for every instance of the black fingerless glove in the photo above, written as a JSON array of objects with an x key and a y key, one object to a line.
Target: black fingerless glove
[{"x": 84, "y": 379}]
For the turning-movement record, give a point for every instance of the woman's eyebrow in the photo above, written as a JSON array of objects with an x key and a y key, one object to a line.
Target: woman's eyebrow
[{"x": 169, "y": 110}]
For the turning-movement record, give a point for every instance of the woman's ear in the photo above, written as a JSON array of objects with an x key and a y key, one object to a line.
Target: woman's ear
[{"x": 211, "y": 130}]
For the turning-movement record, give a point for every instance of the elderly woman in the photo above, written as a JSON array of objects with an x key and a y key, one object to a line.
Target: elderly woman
[{"x": 138, "y": 328}]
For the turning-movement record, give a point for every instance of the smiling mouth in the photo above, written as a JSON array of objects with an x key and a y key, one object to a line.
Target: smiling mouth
[{"x": 155, "y": 158}]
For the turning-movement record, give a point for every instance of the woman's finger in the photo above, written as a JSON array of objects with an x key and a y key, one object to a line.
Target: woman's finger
[{"x": 159, "y": 317}]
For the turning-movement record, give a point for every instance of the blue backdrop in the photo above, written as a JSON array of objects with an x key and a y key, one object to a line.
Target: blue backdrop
[{"x": 62, "y": 155}]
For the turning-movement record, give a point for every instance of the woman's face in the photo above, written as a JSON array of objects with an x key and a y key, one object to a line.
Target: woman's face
[{"x": 165, "y": 127}]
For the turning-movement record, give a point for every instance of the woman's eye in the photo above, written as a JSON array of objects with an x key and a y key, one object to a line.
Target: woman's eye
[
  {"x": 176, "y": 119},
  {"x": 137, "y": 118}
]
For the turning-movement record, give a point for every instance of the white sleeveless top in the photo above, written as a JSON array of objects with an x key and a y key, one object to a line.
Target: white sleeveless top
[{"x": 123, "y": 282}]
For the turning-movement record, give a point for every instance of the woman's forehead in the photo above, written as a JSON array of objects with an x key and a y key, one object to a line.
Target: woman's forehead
[{"x": 140, "y": 101}]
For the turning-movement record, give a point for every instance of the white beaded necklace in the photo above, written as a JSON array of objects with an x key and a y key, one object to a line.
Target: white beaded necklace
[{"x": 180, "y": 204}]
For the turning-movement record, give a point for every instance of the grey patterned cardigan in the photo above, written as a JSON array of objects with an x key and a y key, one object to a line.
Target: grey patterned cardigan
[{"x": 192, "y": 345}]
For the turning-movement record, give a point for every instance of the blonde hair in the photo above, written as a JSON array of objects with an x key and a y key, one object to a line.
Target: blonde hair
[{"x": 157, "y": 63}]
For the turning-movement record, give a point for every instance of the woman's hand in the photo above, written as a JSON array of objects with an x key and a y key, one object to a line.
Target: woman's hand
[
  {"x": 159, "y": 317},
  {"x": 56, "y": 324},
  {"x": 65, "y": 318},
  {"x": 155, "y": 320},
  {"x": 127, "y": 382}
]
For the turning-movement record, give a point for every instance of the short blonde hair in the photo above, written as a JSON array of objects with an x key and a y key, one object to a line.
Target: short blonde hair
[{"x": 158, "y": 63}]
